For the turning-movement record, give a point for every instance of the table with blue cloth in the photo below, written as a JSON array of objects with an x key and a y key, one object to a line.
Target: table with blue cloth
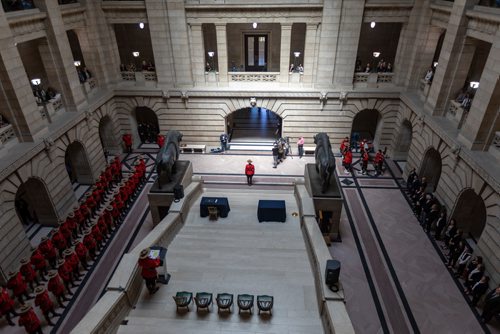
[
  {"x": 221, "y": 203},
  {"x": 271, "y": 211}
]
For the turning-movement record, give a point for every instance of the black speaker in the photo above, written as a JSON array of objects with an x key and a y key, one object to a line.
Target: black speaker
[
  {"x": 178, "y": 192},
  {"x": 332, "y": 272}
]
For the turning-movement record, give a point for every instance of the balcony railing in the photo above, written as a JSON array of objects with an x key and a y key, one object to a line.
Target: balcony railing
[
  {"x": 457, "y": 113},
  {"x": 50, "y": 108},
  {"x": 6, "y": 133},
  {"x": 144, "y": 78},
  {"x": 254, "y": 76},
  {"x": 372, "y": 80},
  {"x": 11, "y": 5}
]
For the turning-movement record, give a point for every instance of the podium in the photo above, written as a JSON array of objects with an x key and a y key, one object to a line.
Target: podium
[{"x": 158, "y": 252}]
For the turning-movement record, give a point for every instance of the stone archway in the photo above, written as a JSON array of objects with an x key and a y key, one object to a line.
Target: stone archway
[
  {"x": 107, "y": 135},
  {"x": 403, "y": 142},
  {"x": 33, "y": 203},
  {"x": 367, "y": 125},
  {"x": 470, "y": 213},
  {"x": 255, "y": 124},
  {"x": 147, "y": 125},
  {"x": 77, "y": 164},
  {"x": 431, "y": 168}
]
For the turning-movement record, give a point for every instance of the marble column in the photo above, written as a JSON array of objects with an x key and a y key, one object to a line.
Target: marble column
[
  {"x": 440, "y": 92},
  {"x": 71, "y": 89},
  {"x": 220, "y": 29},
  {"x": 348, "y": 40},
  {"x": 309, "y": 53},
  {"x": 160, "y": 41},
  {"x": 286, "y": 35},
  {"x": 328, "y": 42},
  {"x": 17, "y": 102},
  {"x": 197, "y": 53},
  {"x": 483, "y": 119},
  {"x": 99, "y": 47},
  {"x": 179, "y": 42}
]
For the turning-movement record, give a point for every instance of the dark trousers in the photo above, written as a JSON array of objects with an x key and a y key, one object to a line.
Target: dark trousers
[
  {"x": 150, "y": 284},
  {"x": 249, "y": 179},
  {"x": 301, "y": 150}
]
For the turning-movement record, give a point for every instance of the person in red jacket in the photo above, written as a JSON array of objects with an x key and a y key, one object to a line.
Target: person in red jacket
[
  {"x": 148, "y": 271},
  {"x": 59, "y": 241},
  {"x": 43, "y": 301},
  {"x": 55, "y": 285},
  {"x": 65, "y": 271},
  {"x": 29, "y": 320},
  {"x": 160, "y": 140},
  {"x": 365, "y": 157},
  {"x": 18, "y": 286},
  {"x": 249, "y": 171},
  {"x": 48, "y": 250},
  {"x": 347, "y": 161},
  {"x": 379, "y": 162},
  {"x": 72, "y": 225},
  {"x": 81, "y": 251},
  {"x": 28, "y": 272},
  {"x": 108, "y": 218},
  {"x": 90, "y": 243},
  {"x": 65, "y": 231},
  {"x": 97, "y": 235},
  {"x": 74, "y": 262},
  {"x": 38, "y": 261},
  {"x": 344, "y": 145},
  {"x": 7, "y": 306},
  {"x": 127, "y": 141}
]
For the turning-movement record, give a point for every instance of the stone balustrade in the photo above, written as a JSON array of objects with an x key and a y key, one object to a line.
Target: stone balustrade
[
  {"x": 6, "y": 133},
  {"x": 495, "y": 146},
  {"x": 372, "y": 80},
  {"x": 144, "y": 78},
  {"x": 128, "y": 75},
  {"x": 89, "y": 85},
  {"x": 254, "y": 76},
  {"x": 457, "y": 113}
]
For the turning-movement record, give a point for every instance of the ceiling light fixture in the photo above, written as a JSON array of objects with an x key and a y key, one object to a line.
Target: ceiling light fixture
[
  {"x": 376, "y": 54},
  {"x": 474, "y": 84},
  {"x": 372, "y": 25},
  {"x": 135, "y": 54},
  {"x": 254, "y": 25},
  {"x": 141, "y": 25}
]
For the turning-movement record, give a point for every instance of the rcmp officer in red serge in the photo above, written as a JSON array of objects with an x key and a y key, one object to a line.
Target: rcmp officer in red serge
[
  {"x": 30, "y": 320},
  {"x": 43, "y": 301},
  {"x": 7, "y": 306},
  {"x": 38, "y": 261},
  {"x": 28, "y": 272},
  {"x": 18, "y": 286},
  {"x": 249, "y": 171},
  {"x": 48, "y": 250},
  {"x": 55, "y": 285},
  {"x": 148, "y": 272}
]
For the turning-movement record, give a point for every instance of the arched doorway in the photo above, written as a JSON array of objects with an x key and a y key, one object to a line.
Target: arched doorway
[
  {"x": 77, "y": 164},
  {"x": 366, "y": 125},
  {"x": 33, "y": 204},
  {"x": 107, "y": 135},
  {"x": 404, "y": 141},
  {"x": 254, "y": 124},
  {"x": 470, "y": 213},
  {"x": 147, "y": 125},
  {"x": 431, "y": 168}
]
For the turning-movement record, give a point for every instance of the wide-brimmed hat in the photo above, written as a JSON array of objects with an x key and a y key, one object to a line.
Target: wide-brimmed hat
[
  {"x": 60, "y": 262},
  {"x": 52, "y": 273},
  {"x": 12, "y": 274},
  {"x": 76, "y": 241},
  {"x": 25, "y": 308},
  {"x": 144, "y": 253},
  {"x": 25, "y": 260},
  {"x": 67, "y": 251},
  {"x": 39, "y": 289},
  {"x": 71, "y": 215},
  {"x": 87, "y": 231},
  {"x": 45, "y": 238},
  {"x": 249, "y": 161},
  {"x": 109, "y": 208}
]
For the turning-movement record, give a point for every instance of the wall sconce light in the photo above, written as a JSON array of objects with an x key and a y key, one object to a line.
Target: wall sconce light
[
  {"x": 211, "y": 53},
  {"x": 36, "y": 81},
  {"x": 376, "y": 54},
  {"x": 254, "y": 25},
  {"x": 435, "y": 64},
  {"x": 474, "y": 84},
  {"x": 372, "y": 25},
  {"x": 77, "y": 63},
  {"x": 135, "y": 54},
  {"x": 253, "y": 101},
  {"x": 141, "y": 25},
  {"x": 296, "y": 54}
]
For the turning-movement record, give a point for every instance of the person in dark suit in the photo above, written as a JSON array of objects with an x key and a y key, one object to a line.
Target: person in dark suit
[
  {"x": 491, "y": 305},
  {"x": 474, "y": 277},
  {"x": 479, "y": 289}
]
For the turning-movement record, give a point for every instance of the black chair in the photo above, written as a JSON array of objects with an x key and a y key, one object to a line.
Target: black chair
[
  {"x": 183, "y": 299},
  {"x": 224, "y": 302},
  {"x": 203, "y": 300},
  {"x": 245, "y": 303},
  {"x": 265, "y": 303}
]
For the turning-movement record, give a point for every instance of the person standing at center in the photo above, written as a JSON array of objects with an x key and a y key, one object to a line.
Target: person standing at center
[
  {"x": 300, "y": 146},
  {"x": 148, "y": 271},
  {"x": 249, "y": 171}
]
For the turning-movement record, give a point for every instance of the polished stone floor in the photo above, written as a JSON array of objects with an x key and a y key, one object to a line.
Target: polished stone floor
[{"x": 392, "y": 272}]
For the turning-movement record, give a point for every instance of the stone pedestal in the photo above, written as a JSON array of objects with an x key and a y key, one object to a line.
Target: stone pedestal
[
  {"x": 161, "y": 199},
  {"x": 329, "y": 201}
]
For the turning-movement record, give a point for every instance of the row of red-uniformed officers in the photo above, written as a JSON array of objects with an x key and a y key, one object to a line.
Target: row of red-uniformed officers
[{"x": 87, "y": 236}]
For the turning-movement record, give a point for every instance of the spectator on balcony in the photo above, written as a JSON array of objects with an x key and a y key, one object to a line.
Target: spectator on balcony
[
  {"x": 368, "y": 68},
  {"x": 144, "y": 65},
  {"x": 208, "y": 68},
  {"x": 300, "y": 68},
  {"x": 381, "y": 66},
  {"x": 151, "y": 67},
  {"x": 359, "y": 67},
  {"x": 81, "y": 76},
  {"x": 429, "y": 75},
  {"x": 461, "y": 96},
  {"x": 123, "y": 68},
  {"x": 467, "y": 101},
  {"x": 389, "y": 68},
  {"x": 51, "y": 93},
  {"x": 131, "y": 67},
  {"x": 86, "y": 73},
  {"x": 291, "y": 68}
]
